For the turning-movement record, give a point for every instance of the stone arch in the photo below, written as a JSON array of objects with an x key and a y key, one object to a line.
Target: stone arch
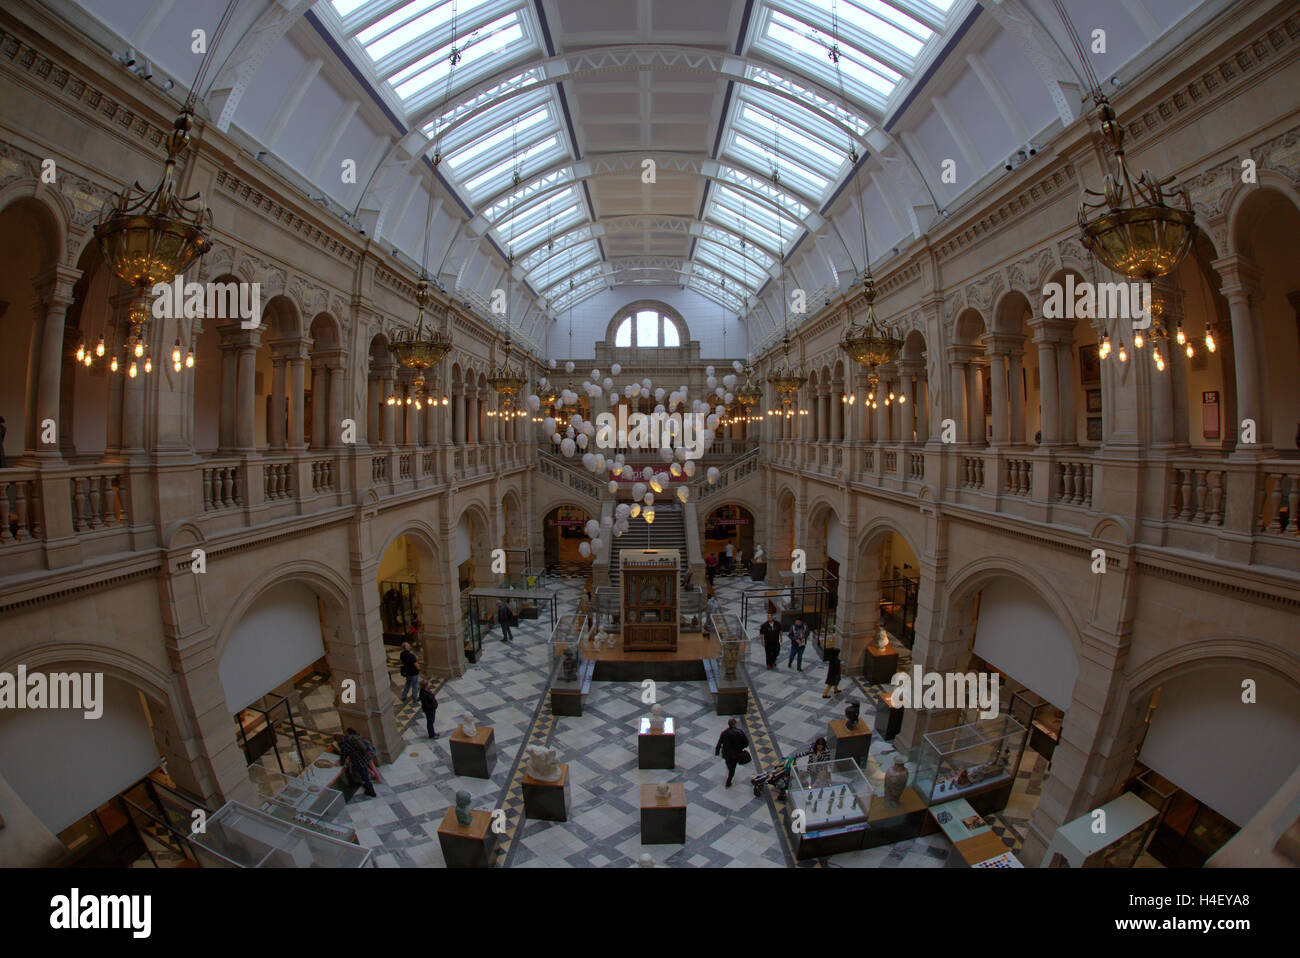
[
  {"x": 51, "y": 207},
  {"x": 514, "y": 531},
  {"x": 968, "y": 327},
  {"x": 85, "y": 656},
  {"x": 322, "y": 579},
  {"x": 325, "y": 331},
  {"x": 1243, "y": 199}
]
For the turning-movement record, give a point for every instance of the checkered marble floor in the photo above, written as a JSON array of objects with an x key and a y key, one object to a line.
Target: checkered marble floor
[{"x": 725, "y": 827}]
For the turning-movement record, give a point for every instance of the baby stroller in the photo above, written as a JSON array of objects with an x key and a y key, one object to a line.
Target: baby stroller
[{"x": 778, "y": 776}]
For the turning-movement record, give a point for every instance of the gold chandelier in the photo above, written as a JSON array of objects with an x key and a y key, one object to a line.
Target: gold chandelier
[
  {"x": 417, "y": 349},
  {"x": 872, "y": 344},
  {"x": 147, "y": 238},
  {"x": 507, "y": 382},
  {"x": 787, "y": 381},
  {"x": 1134, "y": 232}
]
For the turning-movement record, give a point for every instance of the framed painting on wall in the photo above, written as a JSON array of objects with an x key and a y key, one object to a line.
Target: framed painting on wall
[
  {"x": 1093, "y": 400},
  {"x": 1094, "y": 429},
  {"x": 1089, "y": 365}
]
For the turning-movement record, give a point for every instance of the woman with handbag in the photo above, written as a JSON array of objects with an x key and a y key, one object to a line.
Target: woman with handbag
[{"x": 732, "y": 745}]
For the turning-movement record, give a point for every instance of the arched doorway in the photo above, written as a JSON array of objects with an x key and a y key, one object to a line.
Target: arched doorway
[
  {"x": 562, "y": 535},
  {"x": 280, "y": 689},
  {"x": 733, "y": 525},
  {"x": 899, "y": 578}
]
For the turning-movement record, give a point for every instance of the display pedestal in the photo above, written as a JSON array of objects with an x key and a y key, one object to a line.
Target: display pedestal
[
  {"x": 891, "y": 824},
  {"x": 548, "y": 801},
  {"x": 467, "y": 846},
  {"x": 663, "y": 821},
  {"x": 732, "y": 701},
  {"x": 889, "y": 722},
  {"x": 845, "y": 742},
  {"x": 757, "y": 571},
  {"x": 566, "y": 702},
  {"x": 656, "y": 749},
  {"x": 881, "y": 664},
  {"x": 473, "y": 756}
]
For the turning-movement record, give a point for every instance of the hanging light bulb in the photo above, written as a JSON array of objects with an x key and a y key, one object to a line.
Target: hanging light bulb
[
  {"x": 1181, "y": 337},
  {"x": 1104, "y": 350},
  {"x": 189, "y": 359},
  {"x": 89, "y": 359},
  {"x": 1159, "y": 360},
  {"x": 81, "y": 352},
  {"x": 1138, "y": 340},
  {"x": 112, "y": 367},
  {"x": 99, "y": 348},
  {"x": 901, "y": 400},
  {"x": 1123, "y": 356},
  {"x": 139, "y": 350},
  {"x": 176, "y": 354},
  {"x": 176, "y": 366},
  {"x": 148, "y": 364},
  {"x": 1209, "y": 339},
  {"x": 649, "y": 515},
  {"x": 131, "y": 372},
  {"x": 1190, "y": 351}
]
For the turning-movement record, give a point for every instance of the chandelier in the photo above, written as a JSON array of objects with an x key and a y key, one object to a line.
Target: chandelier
[
  {"x": 507, "y": 382},
  {"x": 418, "y": 349},
  {"x": 1134, "y": 232},
  {"x": 871, "y": 344},
  {"x": 147, "y": 238},
  {"x": 787, "y": 382}
]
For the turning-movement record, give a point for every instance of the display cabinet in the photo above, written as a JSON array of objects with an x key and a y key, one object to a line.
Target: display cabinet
[
  {"x": 648, "y": 579},
  {"x": 834, "y": 800},
  {"x": 1040, "y": 717},
  {"x": 977, "y": 762},
  {"x": 726, "y": 673},
  {"x": 570, "y": 668},
  {"x": 396, "y": 609}
]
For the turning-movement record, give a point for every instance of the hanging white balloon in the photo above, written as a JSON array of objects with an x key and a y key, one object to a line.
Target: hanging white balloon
[
  {"x": 729, "y": 382},
  {"x": 682, "y": 493},
  {"x": 555, "y": 438},
  {"x": 568, "y": 367},
  {"x": 595, "y": 374},
  {"x": 666, "y": 453},
  {"x": 606, "y": 522},
  {"x": 720, "y": 409},
  {"x": 622, "y": 510},
  {"x": 592, "y": 528},
  {"x": 597, "y": 546},
  {"x": 645, "y": 393},
  {"x": 613, "y": 399},
  {"x": 646, "y": 383},
  {"x": 638, "y": 490},
  {"x": 635, "y": 511},
  {"x": 616, "y": 369},
  {"x": 728, "y": 398},
  {"x": 584, "y": 549},
  {"x": 589, "y": 462},
  {"x": 567, "y": 447},
  {"x": 712, "y": 421},
  {"x": 675, "y": 469},
  {"x": 713, "y": 474},
  {"x": 613, "y": 486},
  {"x": 663, "y": 479},
  {"x": 534, "y": 403},
  {"x": 738, "y": 366},
  {"x": 711, "y": 382},
  {"x": 608, "y": 383},
  {"x": 647, "y": 472},
  {"x": 552, "y": 363},
  {"x": 689, "y": 467},
  {"x": 583, "y": 439},
  {"x": 569, "y": 432},
  {"x": 708, "y": 370},
  {"x": 719, "y": 391},
  {"x": 649, "y": 499},
  {"x": 659, "y": 394}
]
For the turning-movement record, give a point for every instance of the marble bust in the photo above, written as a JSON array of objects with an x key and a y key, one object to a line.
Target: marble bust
[
  {"x": 463, "y": 814},
  {"x": 543, "y": 763},
  {"x": 656, "y": 718},
  {"x": 882, "y": 637},
  {"x": 467, "y": 725},
  {"x": 664, "y": 790}
]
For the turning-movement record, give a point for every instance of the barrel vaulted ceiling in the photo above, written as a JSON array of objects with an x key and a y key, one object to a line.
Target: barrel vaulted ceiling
[{"x": 530, "y": 153}]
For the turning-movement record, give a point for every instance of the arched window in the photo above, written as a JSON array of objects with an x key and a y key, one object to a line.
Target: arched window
[{"x": 648, "y": 327}]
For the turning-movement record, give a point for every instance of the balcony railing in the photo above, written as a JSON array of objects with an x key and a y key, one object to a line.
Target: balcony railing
[
  {"x": 20, "y": 489},
  {"x": 1197, "y": 493},
  {"x": 223, "y": 485}
]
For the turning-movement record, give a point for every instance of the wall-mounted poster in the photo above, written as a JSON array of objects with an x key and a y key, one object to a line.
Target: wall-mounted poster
[
  {"x": 1210, "y": 414},
  {"x": 1094, "y": 429},
  {"x": 1093, "y": 398},
  {"x": 1089, "y": 365}
]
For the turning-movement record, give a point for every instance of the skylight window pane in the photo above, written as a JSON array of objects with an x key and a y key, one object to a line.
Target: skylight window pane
[
  {"x": 647, "y": 328},
  {"x": 522, "y": 240},
  {"x": 382, "y": 39},
  {"x": 508, "y": 164},
  {"x": 793, "y": 136},
  {"x": 882, "y": 22},
  {"x": 344, "y": 7},
  {"x": 494, "y": 39},
  {"x": 502, "y": 136},
  {"x": 783, "y": 162}
]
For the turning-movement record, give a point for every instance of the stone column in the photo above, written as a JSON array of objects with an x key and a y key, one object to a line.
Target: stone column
[
  {"x": 922, "y": 407},
  {"x": 957, "y": 391},
  {"x": 245, "y": 418},
  {"x": 1049, "y": 391},
  {"x": 229, "y": 387},
  {"x": 387, "y": 410},
  {"x": 275, "y": 419},
  {"x": 374, "y": 399},
  {"x": 320, "y": 377},
  {"x": 54, "y": 296},
  {"x": 472, "y": 416},
  {"x": 1016, "y": 393},
  {"x": 1065, "y": 382},
  {"x": 115, "y": 340},
  {"x": 837, "y": 411},
  {"x": 1240, "y": 289},
  {"x": 297, "y": 357},
  {"x": 974, "y": 403},
  {"x": 998, "y": 383},
  {"x": 458, "y": 415},
  {"x": 337, "y": 372}
]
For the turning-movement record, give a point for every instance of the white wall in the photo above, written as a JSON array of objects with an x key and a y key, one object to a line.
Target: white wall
[
  {"x": 463, "y": 546},
  {"x": 63, "y": 765},
  {"x": 1018, "y": 634},
  {"x": 834, "y": 539},
  {"x": 591, "y": 318},
  {"x": 277, "y": 638},
  {"x": 1231, "y": 755}
]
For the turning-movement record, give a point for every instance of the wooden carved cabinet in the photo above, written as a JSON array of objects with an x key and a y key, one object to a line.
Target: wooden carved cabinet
[{"x": 649, "y": 607}]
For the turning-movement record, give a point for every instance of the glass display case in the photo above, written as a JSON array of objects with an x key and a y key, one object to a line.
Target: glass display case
[
  {"x": 396, "y": 609},
  {"x": 241, "y": 837},
  {"x": 969, "y": 759},
  {"x": 731, "y": 638},
  {"x": 831, "y": 794},
  {"x": 567, "y": 640}
]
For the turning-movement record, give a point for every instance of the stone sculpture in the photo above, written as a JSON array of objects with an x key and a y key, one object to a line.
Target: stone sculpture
[
  {"x": 463, "y": 814},
  {"x": 569, "y": 666},
  {"x": 543, "y": 763},
  {"x": 656, "y": 718},
  {"x": 468, "y": 727},
  {"x": 882, "y": 637},
  {"x": 664, "y": 791},
  {"x": 646, "y": 860},
  {"x": 851, "y": 712},
  {"x": 895, "y": 781}
]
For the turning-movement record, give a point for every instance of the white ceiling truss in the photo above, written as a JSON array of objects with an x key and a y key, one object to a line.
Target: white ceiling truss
[{"x": 540, "y": 129}]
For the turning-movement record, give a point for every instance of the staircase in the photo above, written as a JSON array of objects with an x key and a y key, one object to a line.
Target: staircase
[{"x": 668, "y": 531}]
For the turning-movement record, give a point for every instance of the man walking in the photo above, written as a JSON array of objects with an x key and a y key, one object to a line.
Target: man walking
[
  {"x": 731, "y": 746},
  {"x": 503, "y": 618},
  {"x": 357, "y": 756},
  {"x": 771, "y": 633},
  {"x": 798, "y": 639},
  {"x": 410, "y": 672},
  {"x": 429, "y": 703}
]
